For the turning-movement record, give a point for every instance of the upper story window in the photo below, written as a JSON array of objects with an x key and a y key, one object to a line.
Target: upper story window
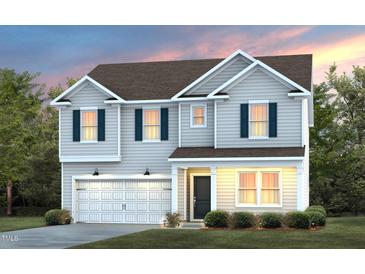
[
  {"x": 198, "y": 116},
  {"x": 259, "y": 120},
  {"x": 89, "y": 127},
  {"x": 151, "y": 124},
  {"x": 259, "y": 188}
]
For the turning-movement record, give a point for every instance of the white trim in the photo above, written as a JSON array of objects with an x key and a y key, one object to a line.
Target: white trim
[
  {"x": 214, "y": 69},
  {"x": 121, "y": 177},
  {"x": 62, "y": 186},
  {"x": 118, "y": 121},
  {"x": 304, "y": 120},
  {"x": 82, "y": 110},
  {"x": 213, "y": 188},
  {"x": 257, "y": 102},
  {"x": 230, "y": 81},
  {"x": 234, "y": 159},
  {"x": 298, "y": 94},
  {"x": 179, "y": 145},
  {"x": 143, "y": 125},
  {"x": 63, "y": 104},
  {"x": 204, "y": 105},
  {"x": 185, "y": 194},
  {"x": 258, "y": 172},
  {"x": 192, "y": 175},
  {"x": 59, "y": 132},
  {"x": 215, "y": 123},
  {"x": 264, "y": 66},
  {"x": 93, "y": 158},
  {"x": 174, "y": 190},
  {"x": 78, "y": 83},
  {"x": 153, "y": 101}
]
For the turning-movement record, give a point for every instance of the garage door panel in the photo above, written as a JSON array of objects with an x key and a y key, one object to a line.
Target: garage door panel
[{"x": 122, "y": 201}]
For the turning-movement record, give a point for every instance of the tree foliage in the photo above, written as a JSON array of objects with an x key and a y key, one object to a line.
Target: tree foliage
[{"x": 337, "y": 159}]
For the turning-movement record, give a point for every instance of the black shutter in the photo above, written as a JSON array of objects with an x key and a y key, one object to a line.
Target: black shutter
[
  {"x": 164, "y": 124},
  {"x": 244, "y": 120},
  {"x": 273, "y": 120},
  {"x": 76, "y": 125},
  {"x": 138, "y": 124},
  {"x": 101, "y": 124}
]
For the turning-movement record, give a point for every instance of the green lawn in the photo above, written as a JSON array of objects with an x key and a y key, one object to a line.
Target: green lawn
[
  {"x": 346, "y": 232},
  {"x": 16, "y": 223}
]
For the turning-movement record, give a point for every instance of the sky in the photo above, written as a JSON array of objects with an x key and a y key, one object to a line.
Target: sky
[{"x": 58, "y": 52}]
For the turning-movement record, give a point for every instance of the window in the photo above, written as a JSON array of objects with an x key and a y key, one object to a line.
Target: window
[
  {"x": 247, "y": 188},
  {"x": 259, "y": 120},
  {"x": 259, "y": 188},
  {"x": 270, "y": 191},
  {"x": 198, "y": 115},
  {"x": 89, "y": 126},
  {"x": 151, "y": 124}
]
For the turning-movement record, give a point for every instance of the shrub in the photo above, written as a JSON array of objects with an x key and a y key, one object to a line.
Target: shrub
[
  {"x": 173, "y": 219},
  {"x": 216, "y": 218},
  {"x": 242, "y": 220},
  {"x": 315, "y": 208},
  {"x": 316, "y": 218},
  {"x": 58, "y": 217},
  {"x": 271, "y": 220},
  {"x": 298, "y": 219}
]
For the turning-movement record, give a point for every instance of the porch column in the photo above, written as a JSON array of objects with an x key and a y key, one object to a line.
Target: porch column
[
  {"x": 174, "y": 189},
  {"x": 213, "y": 188},
  {"x": 300, "y": 187}
]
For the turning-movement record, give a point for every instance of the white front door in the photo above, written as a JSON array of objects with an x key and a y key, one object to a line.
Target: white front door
[{"x": 122, "y": 201}]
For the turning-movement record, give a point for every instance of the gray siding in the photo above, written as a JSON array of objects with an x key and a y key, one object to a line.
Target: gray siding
[
  {"x": 259, "y": 86},
  {"x": 89, "y": 96},
  {"x": 136, "y": 156},
  {"x": 197, "y": 137},
  {"x": 220, "y": 76}
]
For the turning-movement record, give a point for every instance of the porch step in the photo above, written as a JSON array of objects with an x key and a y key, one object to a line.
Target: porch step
[{"x": 189, "y": 225}]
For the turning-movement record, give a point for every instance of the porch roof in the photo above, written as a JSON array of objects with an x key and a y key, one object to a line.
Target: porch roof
[{"x": 211, "y": 152}]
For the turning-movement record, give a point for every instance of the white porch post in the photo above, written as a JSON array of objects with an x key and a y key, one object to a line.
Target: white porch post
[
  {"x": 213, "y": 188},
  {"x": 174, "y": 189},
  {"x": 300, "y": 187}
]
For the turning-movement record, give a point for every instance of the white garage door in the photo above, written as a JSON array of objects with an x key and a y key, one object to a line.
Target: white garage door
[{"x": 122, "y": 201}]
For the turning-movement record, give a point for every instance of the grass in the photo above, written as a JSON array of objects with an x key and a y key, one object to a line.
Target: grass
[
  {"x": 16, "y": 223},
  {"x": 345, "y": 232}
]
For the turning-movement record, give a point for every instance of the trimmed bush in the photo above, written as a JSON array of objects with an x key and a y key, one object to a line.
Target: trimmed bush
[
  {"x": 216, "y": 218},
  {"x": 173, "y": 219},
  {"x": 58, "y": 217},
  {"x": 271, "y": 220},
  {"x": 298, "y": 219},
  {"x": 316, "y": 218},
  {"x": 242, "y": 220},
  {"x": 315, "y": 208}
]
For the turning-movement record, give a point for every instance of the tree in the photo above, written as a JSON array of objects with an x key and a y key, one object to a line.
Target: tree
[
  {"x": 337, "y": 158},
  {"x": 19, "y": 106}
]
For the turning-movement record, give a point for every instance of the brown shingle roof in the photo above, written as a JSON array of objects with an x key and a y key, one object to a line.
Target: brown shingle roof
[
  {"x": 210, "y": 152},
  {"x": 162, "y": 80}
]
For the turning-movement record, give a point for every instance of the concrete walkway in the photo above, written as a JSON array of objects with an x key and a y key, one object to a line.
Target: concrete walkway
[{"x": 64, "y": 236}]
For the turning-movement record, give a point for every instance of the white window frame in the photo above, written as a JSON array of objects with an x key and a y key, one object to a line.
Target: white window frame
[
  {"x": 258, "y": 187},
  {"x": 257, "y": 102},
  {"x": 143, "y": 138},
  {"x": 192, "y": 115},
  {"x": 86, "y": 109}
]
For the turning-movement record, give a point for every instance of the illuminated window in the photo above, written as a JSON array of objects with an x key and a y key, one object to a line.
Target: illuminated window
[
  {"x": 89, "y": 125},
  {"x": 151, "y": 124},
  {"x": 198, "y": 115},
  {"x": 258, "y": 188},
  {"x": 259, "y": 120},
  {"x": 270, "y": 191},
  {"x": 247, "y": 188}
]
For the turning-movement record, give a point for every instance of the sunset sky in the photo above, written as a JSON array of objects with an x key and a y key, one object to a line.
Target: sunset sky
[{"x": 58, "y": 52}]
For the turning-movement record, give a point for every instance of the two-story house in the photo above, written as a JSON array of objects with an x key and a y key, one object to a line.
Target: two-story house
[{"x": 137, "y": 140}]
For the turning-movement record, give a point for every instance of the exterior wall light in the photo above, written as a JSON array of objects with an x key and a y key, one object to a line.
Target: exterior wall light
[
  {"x": 96, "y": 172},
  {"x": 147, "y": 172}
]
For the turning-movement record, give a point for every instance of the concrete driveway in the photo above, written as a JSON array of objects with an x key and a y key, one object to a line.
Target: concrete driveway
[{"x": 64, "y": 236}]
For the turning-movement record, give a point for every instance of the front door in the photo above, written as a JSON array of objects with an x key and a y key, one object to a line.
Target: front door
[{"x": 201, "y": 196}]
